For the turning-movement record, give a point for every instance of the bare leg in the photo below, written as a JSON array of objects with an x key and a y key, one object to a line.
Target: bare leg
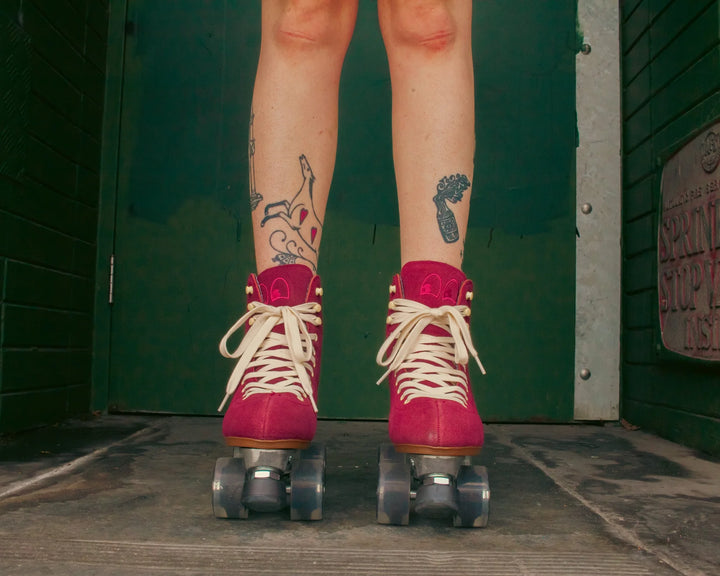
[
  {"x": 429, "y": 50},
  {"x": 293, "y": 133},
  {"x": 433, "y": 415}
]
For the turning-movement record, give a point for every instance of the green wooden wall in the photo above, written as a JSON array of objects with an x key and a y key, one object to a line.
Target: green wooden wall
[
  {"x": 181, "y": 234},
  {"x": 52, "y": 82},
  {"x": 671, "y": 90}
]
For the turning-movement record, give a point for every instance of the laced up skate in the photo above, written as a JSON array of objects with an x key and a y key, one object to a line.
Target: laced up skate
[
  {"x": 272, "y": 415},
  {"x": 434, "y": 425},
  {"x": 427, "y": 366},
  {"x": 271, "y": 363}
]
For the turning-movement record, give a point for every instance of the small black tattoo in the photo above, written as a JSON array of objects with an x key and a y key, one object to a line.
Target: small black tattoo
[
  {"x": 449, "y": 189},
  {"x": 255, "y": 196}
]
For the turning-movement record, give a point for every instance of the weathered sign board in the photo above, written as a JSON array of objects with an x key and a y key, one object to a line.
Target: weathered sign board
[{"x": 689, "y": 249}]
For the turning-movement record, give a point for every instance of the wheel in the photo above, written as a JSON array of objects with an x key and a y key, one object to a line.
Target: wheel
[
  {"x": 473, "y": 497},
  {"x": 393, "y": 491},
  {"x": 307, "y": 484},
  {"x": 227, "y": 488}
]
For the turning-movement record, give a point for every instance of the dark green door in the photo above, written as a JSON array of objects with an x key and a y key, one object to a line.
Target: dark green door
[{"x": 183, "y": 242}]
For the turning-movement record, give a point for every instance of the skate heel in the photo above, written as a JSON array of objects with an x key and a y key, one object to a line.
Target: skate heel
[
  {"x": 262, "y": 480},
  {"x": 431, "y": 486}
]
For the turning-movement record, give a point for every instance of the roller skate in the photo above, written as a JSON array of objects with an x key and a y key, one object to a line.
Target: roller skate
[
  {"x": 271, "y": 419},
  {"x": 434, "y": 426}
]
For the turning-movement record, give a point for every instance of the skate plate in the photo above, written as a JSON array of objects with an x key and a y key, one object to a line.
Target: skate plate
[
  {"x": 264, "y": 480},
  {"x": 431, "y": 486}
]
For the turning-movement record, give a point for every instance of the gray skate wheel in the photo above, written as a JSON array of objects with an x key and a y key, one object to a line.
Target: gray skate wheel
[
  {"x": 307, "y": 484},
  {"x": 393, "y": 491},
  {"x": 227, "y": 488},
  {"x": 473, "y": 497}
]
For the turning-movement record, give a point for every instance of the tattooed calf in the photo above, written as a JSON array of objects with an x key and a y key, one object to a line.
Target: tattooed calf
[
  {"x": 299, "y": 213},
  {"x": 449, "y": 189}
]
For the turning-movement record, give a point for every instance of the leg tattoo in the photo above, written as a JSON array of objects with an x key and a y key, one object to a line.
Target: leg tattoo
[
  {"x": 300, "y": 239},
  {"x": 288, "y": 251},
  {"x": 449, "y": 189},
  {"x": 255, "y": 196}
]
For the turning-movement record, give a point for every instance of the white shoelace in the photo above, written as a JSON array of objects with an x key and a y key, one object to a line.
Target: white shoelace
[
  {"x": 428, "y": 363},
  {"x": 281, "y": 362}
]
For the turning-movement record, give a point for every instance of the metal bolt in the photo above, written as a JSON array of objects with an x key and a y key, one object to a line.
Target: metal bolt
[
  {"x": 586, "y": 48},
  {"x": 585, "y": 374},
  {"x": 586, "y": 208}
]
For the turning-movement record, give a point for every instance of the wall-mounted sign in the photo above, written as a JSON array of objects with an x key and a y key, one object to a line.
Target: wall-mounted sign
[{"x": 689, "y": 249}]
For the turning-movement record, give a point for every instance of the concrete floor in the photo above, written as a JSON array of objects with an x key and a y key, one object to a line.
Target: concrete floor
[{"x": 131, "y": 495}]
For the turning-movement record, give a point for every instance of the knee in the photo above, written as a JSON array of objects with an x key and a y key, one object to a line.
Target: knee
[
  {"x": 311, "y": 24},
  {"x": 429, "y": 25}
]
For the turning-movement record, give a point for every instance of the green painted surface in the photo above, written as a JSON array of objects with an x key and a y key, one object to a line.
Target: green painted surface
[
  {"x": 183, "y": 240},
  {"x": 671, "y": 91}
]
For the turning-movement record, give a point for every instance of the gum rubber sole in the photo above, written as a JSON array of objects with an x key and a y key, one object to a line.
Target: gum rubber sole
[
  {"x": 438, "y": 450},
  {"x": 267, "y": 444}
]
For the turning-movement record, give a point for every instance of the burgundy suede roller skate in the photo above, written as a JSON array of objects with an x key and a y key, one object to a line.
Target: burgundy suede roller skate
[
  {"x": 272, "y": 415},
  {"x": 434, "y": 425}
]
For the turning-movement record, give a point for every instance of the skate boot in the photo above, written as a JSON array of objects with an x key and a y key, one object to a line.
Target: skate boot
[
  {"x": 271, "y": 419},
  {"x": 434, "y": 425}
]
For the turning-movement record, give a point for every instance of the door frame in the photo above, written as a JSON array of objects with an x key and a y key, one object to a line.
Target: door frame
[
  {"x": 107, "y": 205},
  {"x": 598, "y": 214}
]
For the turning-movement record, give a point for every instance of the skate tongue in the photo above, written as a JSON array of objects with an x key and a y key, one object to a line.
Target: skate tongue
[
  {"x": 431, "y": 283},
  {"x": 285, "y": 285}
]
